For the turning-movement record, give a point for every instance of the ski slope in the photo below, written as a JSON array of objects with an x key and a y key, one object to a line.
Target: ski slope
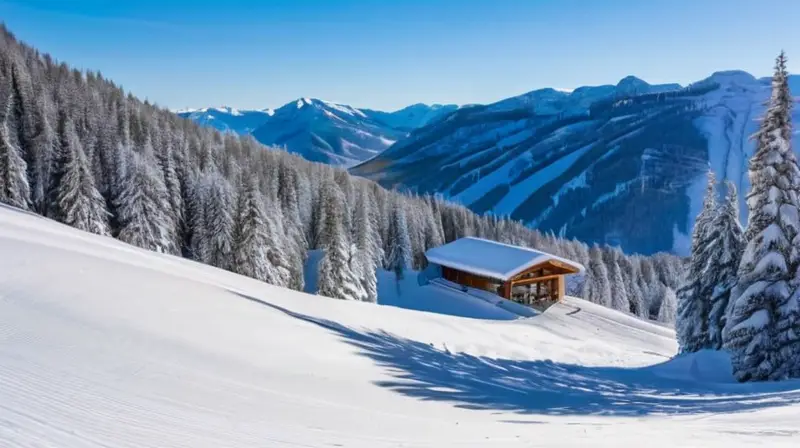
[{"x": 105, "y": 345}]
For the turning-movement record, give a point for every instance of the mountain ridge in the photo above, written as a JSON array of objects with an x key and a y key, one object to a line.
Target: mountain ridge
[
  {"x": 622, "y": 165},
  {"x": 319, "y": 130}
]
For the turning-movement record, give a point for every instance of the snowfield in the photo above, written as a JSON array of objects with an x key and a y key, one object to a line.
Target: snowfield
[{"x": 106, "y": 345}]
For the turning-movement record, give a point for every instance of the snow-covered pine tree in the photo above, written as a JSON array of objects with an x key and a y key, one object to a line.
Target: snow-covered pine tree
[
  {"x": 649, "y": 285},
  {"x": 143, "y": 207},
  {"x": 437, "y": 219},
  {"x": 668, "y": 308},
  {"x": 619, "y": 292},
  {"x": 212, "y": 229},
  {"x": 669, "y": 269},
  {"x": 724, "y": 254},
  {"x": 253, "y": 238},
  {"x": 432, "y": 229},
  {"x": 576, "y": 284},
  {"x": 78, "y": 203},
  {"x": 19, "y": 118},
  {"x": 105, "y": 161},
  {"x": 762, "y": 332},
  {"x": 694, "y": 295},
  {"x": 187, "y": 179},
  {"x": 600, "y": 288},
  {"x": 14, "y": 188},
  {"x": 281, "y": 252},
  {"x": 292, "y": 224},
  {"x": 167, "y": 163},
  {"x": 399, "y": 241},
  {"x": 366, "y": 245},
  {"x": 44, "y": 141},
  {"x": 359, "y": 271},
  {"x": 630, "y": 274},
  {"x": 335, "y": 278}
]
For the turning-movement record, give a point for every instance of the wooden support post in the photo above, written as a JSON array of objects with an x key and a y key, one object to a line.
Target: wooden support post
[{"x": 506, "y": 294}]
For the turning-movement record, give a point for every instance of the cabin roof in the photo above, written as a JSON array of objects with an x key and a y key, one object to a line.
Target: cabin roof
[{"x": 490, "y": 258}]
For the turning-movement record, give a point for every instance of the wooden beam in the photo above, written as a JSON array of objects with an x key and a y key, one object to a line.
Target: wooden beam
[{"x": 527, "y": 281}]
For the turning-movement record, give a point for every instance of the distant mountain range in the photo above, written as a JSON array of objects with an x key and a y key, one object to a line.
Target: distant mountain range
[
  {"x": 228, "y": 119},
  {"x": 621, "y": 164},
  {"x": 322, "y": 131}
]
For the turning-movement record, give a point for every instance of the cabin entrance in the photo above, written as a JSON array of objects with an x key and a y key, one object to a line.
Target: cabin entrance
[
  {"x": 539, "y": 286},
  {"x": 533, "y": 292}
]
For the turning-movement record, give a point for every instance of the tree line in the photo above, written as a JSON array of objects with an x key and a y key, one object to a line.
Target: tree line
[
  {"x": 742, "y": 288},
  {"x": 74, "y": 147}
]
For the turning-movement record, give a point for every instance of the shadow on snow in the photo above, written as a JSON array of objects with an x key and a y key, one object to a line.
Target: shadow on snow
[{"x": 544, "y": 387}]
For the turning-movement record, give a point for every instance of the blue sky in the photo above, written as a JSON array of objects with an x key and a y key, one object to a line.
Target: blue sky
[{"x": 388, "y": 54}]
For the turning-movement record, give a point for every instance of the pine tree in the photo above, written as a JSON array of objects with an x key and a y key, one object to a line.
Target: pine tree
[
  {"x": 42, "y": 148},
  {"x": 20, "y": 121},
  {"x": 366, "y": 246},
  {"x": 762, "y": 332},
  {"x": 166, "y": 161},
  {"x": 288, "y": 192},
  {"x": 143, "y": 207},
  {"x": 649, "y": 285},
  {"x": 14, "y": 188},
  {"x": 78, "y": 203},
  {"x": 577, "y": 284},
  {"x": 619, "y": 292},
  {"x": 399, "y": 242},
  {"x": 724, "y": 254},
  {"x": 668, "y": 307},
  {"x": 212, "y": 229},
  {"x": 630, "y": 274},
  {"x": 600, "y": 288},
  {"x": 335, "y": 279},
  {"x": 694, "y": 295},
  {"x": 254, "y": 239}
]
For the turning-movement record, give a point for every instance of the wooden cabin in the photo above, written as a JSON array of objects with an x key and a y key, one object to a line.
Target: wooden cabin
[{"x": 524, "y": 275}]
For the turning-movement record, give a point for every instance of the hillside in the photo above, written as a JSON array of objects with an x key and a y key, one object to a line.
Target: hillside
[
  {"x": 104, "y": 344},
  {"x": 623, "y": 165}
]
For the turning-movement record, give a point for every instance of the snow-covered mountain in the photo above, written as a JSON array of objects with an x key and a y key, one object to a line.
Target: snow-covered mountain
[
  {"x": 322, "y": 131},
  {"x": 411, "y": 117},
  {"x": 106, "y": 345},
  {"x": 620, "y": 164},
  {"x": 228, "y": 119},
  {"x": 327, "y": 132}
]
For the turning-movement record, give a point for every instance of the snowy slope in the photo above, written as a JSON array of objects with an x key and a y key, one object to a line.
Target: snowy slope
[
  {"x": 228, "y": 119},
  {"x": 105, "y": 345},
  {"x": 622, "y": 164}
]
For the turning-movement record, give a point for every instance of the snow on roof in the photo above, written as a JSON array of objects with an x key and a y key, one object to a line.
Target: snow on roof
[{"x": 490, "y": 258}]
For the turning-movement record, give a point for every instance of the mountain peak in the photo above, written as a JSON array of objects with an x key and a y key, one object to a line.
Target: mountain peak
[
  {"x": 304, "y": 102},
  {"x": 739, "y": 77},
  {"x": 632, "y": 85},
  {"x": 632, "y": 80}
]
